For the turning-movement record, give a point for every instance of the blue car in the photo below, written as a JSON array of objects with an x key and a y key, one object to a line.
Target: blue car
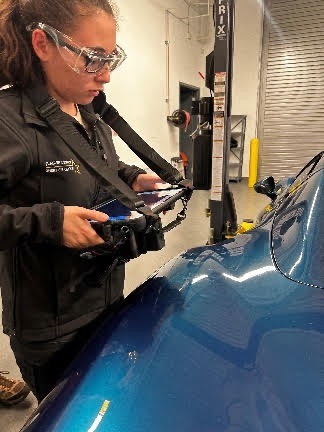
[{"x": 223, "y": 338}]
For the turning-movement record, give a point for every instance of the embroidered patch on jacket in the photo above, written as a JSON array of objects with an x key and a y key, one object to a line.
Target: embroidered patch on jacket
[{"x": 62, "y": 166}]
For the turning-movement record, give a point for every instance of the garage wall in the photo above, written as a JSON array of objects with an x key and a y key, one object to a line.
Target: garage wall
[
  {"x": 246, "y": 67},
  {"x": 138, "y": 89}
]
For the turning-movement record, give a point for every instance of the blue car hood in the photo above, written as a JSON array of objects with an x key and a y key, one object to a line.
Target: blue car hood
[{"x": 217, "y": 341}]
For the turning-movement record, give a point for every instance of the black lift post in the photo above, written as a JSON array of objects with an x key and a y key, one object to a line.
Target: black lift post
[{"x": 221, "y": 205}]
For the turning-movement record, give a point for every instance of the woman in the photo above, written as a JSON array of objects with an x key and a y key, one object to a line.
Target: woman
[{"x": 53, "y": 299}]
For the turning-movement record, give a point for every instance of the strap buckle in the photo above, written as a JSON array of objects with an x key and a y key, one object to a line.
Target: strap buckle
[{"x": 48, "y": 108}]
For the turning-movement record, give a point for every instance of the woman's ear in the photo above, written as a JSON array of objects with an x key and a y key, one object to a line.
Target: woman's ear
[{"x": 41, "y": 45}]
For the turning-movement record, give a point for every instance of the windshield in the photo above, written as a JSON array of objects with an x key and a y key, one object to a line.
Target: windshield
[
  {"x": 308, "y": 170},
  {"x": 298, "y": 230}
]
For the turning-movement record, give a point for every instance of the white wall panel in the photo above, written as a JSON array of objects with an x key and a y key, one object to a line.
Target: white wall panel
[{"x": 138, "y": 88}]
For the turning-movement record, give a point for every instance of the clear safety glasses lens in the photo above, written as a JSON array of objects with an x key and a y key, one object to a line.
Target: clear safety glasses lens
[
  {"x": 113, "y": 60},
  {"x": 81, "y": 59}
]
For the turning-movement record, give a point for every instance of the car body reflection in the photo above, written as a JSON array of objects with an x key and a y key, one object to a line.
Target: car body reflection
[{"x": 223, "y": 338}]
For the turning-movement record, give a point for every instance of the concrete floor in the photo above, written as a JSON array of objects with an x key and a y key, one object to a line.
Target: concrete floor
[{"x": 192, "y": 232}]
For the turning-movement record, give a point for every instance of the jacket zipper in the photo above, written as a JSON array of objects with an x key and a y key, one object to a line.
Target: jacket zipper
[
  {"x": 108, "y": 290},
  {"x": 102, "y": 155},
  {"x": 95, "y": 194},
  {"x": 14, "y": 291}
]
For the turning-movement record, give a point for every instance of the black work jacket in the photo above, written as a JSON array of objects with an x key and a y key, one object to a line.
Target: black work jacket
[{"x": 47, "y": 289}]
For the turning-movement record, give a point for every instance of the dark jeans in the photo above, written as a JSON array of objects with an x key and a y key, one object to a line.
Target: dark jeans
[{"x": 42, "y": 363}]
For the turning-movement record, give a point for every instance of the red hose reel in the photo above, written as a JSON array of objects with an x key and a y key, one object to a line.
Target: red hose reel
[{"x": 180, "y": 118}]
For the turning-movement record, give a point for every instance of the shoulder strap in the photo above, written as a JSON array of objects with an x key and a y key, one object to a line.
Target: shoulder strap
[
  {"x": 146, "y": 153},
  {"x": 48, "y": 108}
]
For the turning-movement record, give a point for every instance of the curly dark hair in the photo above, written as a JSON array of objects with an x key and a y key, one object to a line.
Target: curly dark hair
[{"x": 19, "y": 65}]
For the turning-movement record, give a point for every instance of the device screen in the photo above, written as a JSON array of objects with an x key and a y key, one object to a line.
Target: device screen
[{"x": 153, "y": 199}]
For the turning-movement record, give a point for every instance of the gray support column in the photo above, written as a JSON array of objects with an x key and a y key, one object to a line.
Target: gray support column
[{"x": 223, "y": 55}]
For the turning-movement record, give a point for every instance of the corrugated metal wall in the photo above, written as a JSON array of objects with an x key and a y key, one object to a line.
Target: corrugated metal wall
[{"x": 291, "y": 122}]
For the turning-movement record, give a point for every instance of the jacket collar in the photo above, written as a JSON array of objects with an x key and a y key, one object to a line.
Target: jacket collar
[
  {"x": 34, "y": 95},
  {"x": 29, "y": 112},
  {"x": 88, "y": 114}
]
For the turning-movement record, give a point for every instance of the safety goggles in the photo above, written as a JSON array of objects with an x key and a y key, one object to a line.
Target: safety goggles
[{"x": 82, "y": 59}]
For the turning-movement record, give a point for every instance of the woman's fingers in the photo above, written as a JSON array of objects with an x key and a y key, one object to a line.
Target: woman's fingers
[{"x": 77, "y": 230}]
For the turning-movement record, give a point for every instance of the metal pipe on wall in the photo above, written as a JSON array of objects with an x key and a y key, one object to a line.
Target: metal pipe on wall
[
  {"x": 167, "y": 44},
  {"x": 185, "y": 21}
]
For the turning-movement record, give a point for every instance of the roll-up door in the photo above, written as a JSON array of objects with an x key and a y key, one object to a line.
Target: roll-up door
[{"x": 291, "y": 120}]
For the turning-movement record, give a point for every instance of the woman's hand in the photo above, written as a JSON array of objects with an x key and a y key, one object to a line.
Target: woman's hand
[
  {"x": 146, "y": 182},
  {"x": 77, "y": 230}
]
